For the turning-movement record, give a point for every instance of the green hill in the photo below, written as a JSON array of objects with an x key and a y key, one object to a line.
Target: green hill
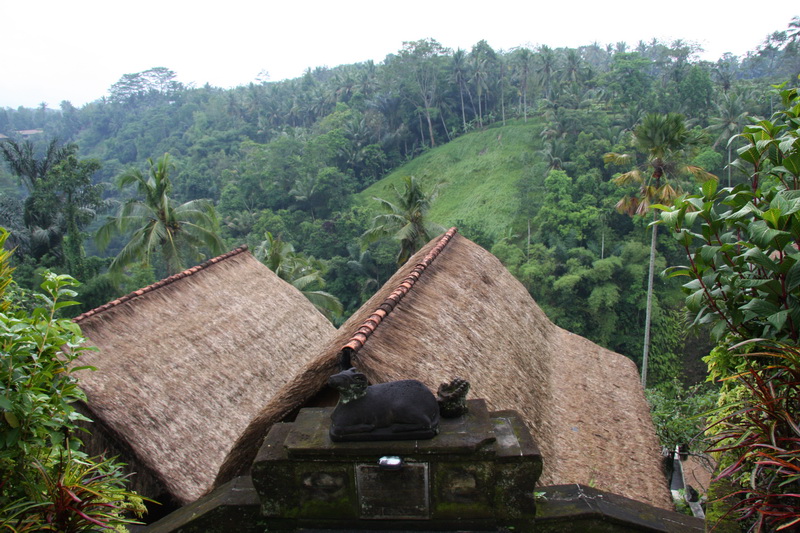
[{"x": 479, "y": 173}]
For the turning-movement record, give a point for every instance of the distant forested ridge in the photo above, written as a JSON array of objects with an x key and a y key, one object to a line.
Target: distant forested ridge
[{"x": 297, "y": 162}]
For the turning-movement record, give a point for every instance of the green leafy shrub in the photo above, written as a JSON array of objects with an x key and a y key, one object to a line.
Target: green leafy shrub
[
  {"x": 743, "y": 251},
  {"x": 46, "y": 482},
  {"x": 741, "y": 243},
  {"x": 677, "y": 413}
]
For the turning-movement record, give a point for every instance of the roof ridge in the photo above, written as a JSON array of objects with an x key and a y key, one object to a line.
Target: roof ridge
[
  {"x": 163, "y": 283},
  {"x": 369, "y": 326}
]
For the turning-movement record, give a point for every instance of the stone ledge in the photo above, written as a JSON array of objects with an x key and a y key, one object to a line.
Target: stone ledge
[{"x": 577, "y": 509}]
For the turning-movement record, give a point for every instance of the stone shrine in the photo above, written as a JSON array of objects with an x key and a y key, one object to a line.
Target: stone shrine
[{"x": 479, "y": 473}]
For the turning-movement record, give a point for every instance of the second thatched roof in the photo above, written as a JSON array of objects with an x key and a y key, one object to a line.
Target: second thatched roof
[
  {"x": 465, "y": 315},
  {"x": 185, "y": 364}
]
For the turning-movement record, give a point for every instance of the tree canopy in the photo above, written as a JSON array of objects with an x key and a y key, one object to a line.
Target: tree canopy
[{"x": 175, "y": 231}]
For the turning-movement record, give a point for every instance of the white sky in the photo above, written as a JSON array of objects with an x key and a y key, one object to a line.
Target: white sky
[{"x": 54, "y": 50}]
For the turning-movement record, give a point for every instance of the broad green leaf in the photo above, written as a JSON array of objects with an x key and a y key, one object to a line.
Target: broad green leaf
[
  {"x": 766, "y": 237},
  {"x": 791, "y": 164},
  {"x": 751, "y": 283},
  {"x": 789, "y": 144},
  {"x": 778, "y": 319},
  {"x": 12, "y": 436},
  {"x": 71, "y": 326},
  {"x": 696, "y": 203},
  {"x": 793, "y": 277},
  {"x": 760, "y": 307},
  {"x": 65, "y": 303},
  {"x": 793, "y": 206},
  {"x": 773, "y": 217},
  {"x": 692, "y": 285},
  {"x": 84, "y": 367},
  {"x": 11, "y": 419},
  {"x": 746, "y": 211},
  {"x": 755, "y": 255},
  {"x": 750, "y": 154},
  {"x": 719, "y": 329},
  {"x": 709, "y": 252},
  {"x": 671, "y": 218},
  {"x": 684, "y": 237},
  {"x": 709, "y": 188},
  {"x": 662, "y": 207},
  {"x": 695, "y": 300},
  {"x": 780, "y": 203},
  {"x": 673, "y": 272}
]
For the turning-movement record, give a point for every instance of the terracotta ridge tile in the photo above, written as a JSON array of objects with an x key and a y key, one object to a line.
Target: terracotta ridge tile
[
  {"x": 157, "y": 285},
  {"x": 368, "y": 327}
]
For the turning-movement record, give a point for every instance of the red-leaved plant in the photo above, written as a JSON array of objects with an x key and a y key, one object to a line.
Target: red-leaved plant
[
  {"x": 85, "y": 495},
  {"x": 760, "y": 436}
]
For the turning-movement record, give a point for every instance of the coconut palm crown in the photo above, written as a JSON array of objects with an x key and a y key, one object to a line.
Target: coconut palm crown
[
  {"x": 302, "y": 272},
  {"x": 178, "y": 232},
  {"x": 405, "y": 219},
  {"x": 666, "y": 143}
]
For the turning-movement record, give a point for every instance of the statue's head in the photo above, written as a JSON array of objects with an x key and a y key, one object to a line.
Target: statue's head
[{"x": 350, "y": 383}]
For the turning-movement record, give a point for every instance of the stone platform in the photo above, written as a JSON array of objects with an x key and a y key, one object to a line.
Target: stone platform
[{"x": 479, "y": 473}]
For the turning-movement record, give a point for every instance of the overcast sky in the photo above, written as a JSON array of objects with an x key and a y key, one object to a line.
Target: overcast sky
[{"x": 54, "y": 50}]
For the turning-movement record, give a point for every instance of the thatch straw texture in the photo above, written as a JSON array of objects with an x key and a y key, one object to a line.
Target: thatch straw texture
[
  {"x": 466, "y": 316},
  {"x": 183, "y": 366}
]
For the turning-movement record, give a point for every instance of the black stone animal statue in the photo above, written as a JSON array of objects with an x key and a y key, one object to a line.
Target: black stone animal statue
[{"x": 398, "y": 410}]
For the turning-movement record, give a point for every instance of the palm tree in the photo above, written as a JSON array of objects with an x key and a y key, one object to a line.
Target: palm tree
[
  {"x": 546, "y": 69},
  {"x": 665, "y": 141},
  {"x": 552, "y": 152},
  {"x": 793, "y": 33},
  {"x": 523, "y": 59},
  {"x": 420, "y": 63},
  {"x": 365, "y": 266},
  {"x": 177, "y": 232},
  {"x": 730, "y": 118},
  {"x": 53, "y": 194},
  {"x": 406, "y": 220},
  {"x": 460, "y": 75},
  {"x": 301, "y": 272},
  {"x": 481, "y": 76},
  {"x": 573, "y": 69},
  {"x": 21, "y": 159}
]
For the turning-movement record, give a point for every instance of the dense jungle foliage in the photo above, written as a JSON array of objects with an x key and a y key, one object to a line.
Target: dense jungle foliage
[
  {"x": 549, "y": 158},
  {"x": 512, "y": 140}
]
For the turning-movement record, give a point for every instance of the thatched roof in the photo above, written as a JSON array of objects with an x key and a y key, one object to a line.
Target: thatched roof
[
  {"x": 465, "y": 315},
  {"x": 185, "y": 364}
]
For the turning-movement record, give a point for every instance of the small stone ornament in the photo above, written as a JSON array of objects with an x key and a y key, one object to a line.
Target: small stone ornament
[
  {"x": 452, "y": 398},
  {"x": 398, "y": 410}
]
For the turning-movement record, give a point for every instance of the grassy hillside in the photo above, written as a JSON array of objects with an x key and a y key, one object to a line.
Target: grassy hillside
[{"x": 479, "y": 173}]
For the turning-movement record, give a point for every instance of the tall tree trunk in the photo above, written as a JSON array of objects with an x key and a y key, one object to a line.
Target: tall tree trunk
[
  {"x": 502, "y": 94},
  {"x": 471, "y": 101},
  {"x": 480, "y": 109},
  {"x": 729, "y": 165},
  {"x": 503, "y": 104},
  {"x": 444, "y": 125},
  {"x": 528, "y": 249},
  {"x": 649, "y": 308},
  {"x": 525, "y": 100},
  {"x": 430, "y": 126},
  {"x": 463, "y": 113},
  {"x": 603, "y": 244}
]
